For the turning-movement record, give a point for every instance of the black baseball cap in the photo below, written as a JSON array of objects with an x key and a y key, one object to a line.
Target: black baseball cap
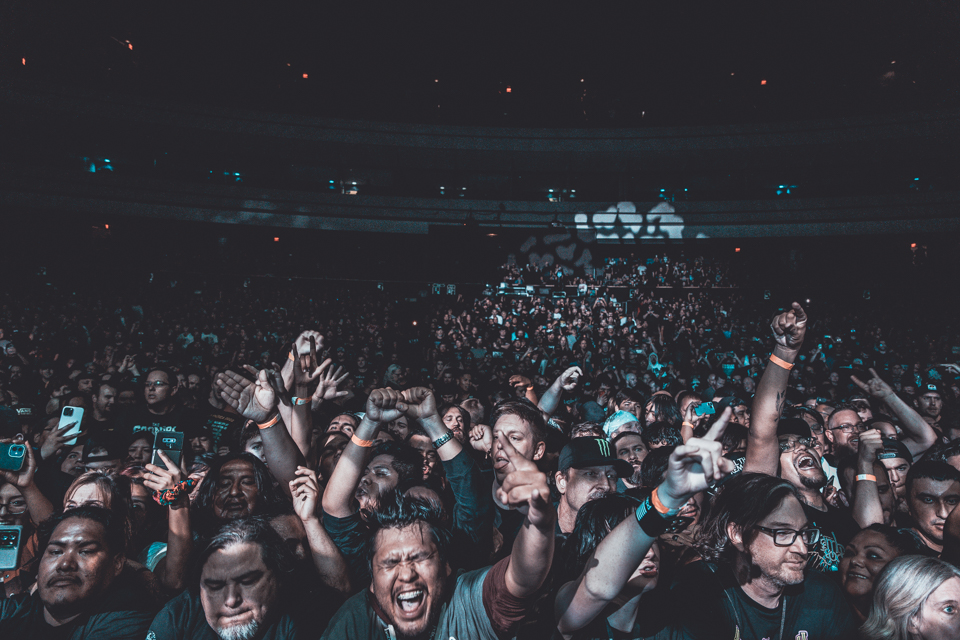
[
  {"x": 930, "y": 386},
  {"x": 895, "y": 449},
  {"x": 585, "y": 452},
  {"x": 793, "y": 426}
]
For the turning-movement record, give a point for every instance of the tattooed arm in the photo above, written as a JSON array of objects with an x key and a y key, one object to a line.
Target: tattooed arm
[{"x": 763, "y": 450}]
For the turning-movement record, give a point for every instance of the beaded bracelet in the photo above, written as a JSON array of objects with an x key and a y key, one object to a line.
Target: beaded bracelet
[{"x": 168, "y": 497}]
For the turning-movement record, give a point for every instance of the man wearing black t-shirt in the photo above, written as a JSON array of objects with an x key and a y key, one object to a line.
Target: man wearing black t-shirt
[
  {"x": 755, "y": 583},
  {"x": 80, "y": 591},
  {"x": 787, "y": 449},
  {"x": 161, "y": 412},
  {"x": 245, "y": 591}
]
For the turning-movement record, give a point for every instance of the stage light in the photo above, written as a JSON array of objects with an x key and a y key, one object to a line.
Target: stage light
[
  {"x": 306, "y": 75},
  {"x": 24, "y": 61},
  {"x": 509, "y": 90},
  {"x": 737, "y": 250},
  {"x": 763, "y": 82},
  {"x": 913, "y": 245},
  {"x": 276, "y": 238},
  {"x": 106, "y": 226},
  {"x": 130, "y": 46}
]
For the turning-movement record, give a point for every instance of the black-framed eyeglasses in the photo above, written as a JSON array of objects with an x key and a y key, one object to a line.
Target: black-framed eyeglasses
[
  {"x": 15, "y": 507},
  {"x": 850, "y": 428},
  {"x": 786, "y": 537}
]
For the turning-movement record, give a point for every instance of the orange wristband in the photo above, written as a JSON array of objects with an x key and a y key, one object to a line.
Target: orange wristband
[
  {"x": 269, "y": 423},
  {"x": 783, "y": 364},
  {"x": 869, "y": 477},
  {"x": 366, "y": 444},
  {"x": 660, "y": 507}
]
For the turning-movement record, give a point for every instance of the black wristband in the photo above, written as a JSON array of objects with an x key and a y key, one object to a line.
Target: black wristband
[{"x": 652, "y": 522}]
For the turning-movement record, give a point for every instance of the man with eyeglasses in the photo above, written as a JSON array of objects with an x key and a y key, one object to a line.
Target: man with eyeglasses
[
  {"x": 754, "y": 582},
  {"x": 161, "y": 410},
  {"x": 786, "y": 448},
  {"x": 843, "y": 430}
]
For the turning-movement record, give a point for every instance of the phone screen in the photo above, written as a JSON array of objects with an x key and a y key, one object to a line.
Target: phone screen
[
  {"x": 171, "y": 443},
  {"x": 71, "y": 415}
]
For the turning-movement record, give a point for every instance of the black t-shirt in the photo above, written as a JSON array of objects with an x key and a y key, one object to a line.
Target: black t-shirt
[
  {"x": 708, "y": 603},
  {"x": 120, "y": 616},
  {"x": 221, "y": 423},
  {"x": 837, "y": 528},
  {"x": 183, "y": 619},
  {"x": 138, "y": 418}
]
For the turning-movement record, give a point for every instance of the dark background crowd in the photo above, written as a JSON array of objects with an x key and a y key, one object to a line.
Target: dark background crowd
[{"x": 321, "y": 423}]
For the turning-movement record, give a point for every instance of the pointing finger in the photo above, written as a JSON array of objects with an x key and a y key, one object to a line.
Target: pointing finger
[{"x": 716, "y": 431}]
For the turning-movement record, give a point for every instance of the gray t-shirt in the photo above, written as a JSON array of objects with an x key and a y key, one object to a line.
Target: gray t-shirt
[{"x": 463, "y": 617}]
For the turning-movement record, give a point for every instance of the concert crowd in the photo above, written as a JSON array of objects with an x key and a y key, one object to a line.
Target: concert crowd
[{"x": 293, "y": 463}]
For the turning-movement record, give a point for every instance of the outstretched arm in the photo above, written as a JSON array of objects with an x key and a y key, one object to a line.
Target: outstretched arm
[
  {"x": 918, "y": 436},
  {"x": 867, "y": 509},
  {"x": 383, "y": 406},
  {"x": 692, "y": 467},
  {"x": 172, "y": 570},
  {"x": 518, "y": 382},
  {"x": 258, "y": 401},
  {"x": 39, "y": 507},
  {"x": 566, "y": 382},
  {"x": 525, "y": 488},
  {"x": 763, "y": 450},
  {"x": 327, "y": 558}
]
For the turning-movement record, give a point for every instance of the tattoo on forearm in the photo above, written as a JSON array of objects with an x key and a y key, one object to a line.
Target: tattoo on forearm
[{"x": 781, "y": 397}]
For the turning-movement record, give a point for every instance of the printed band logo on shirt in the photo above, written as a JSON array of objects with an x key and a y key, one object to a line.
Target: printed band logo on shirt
[
  {"x": 604, "y": 447},
  {"x": 803, "y": 635}
]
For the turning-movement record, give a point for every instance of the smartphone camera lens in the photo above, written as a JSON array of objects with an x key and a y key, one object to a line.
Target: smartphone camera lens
[
  {"x": 17, "y": 451},
  {"x": 68, "y": 411}
]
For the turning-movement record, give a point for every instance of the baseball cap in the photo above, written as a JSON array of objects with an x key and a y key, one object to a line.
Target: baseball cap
[
  {"x": 617, "y": 420},
  {"x": 930, "y": 386},
  {"x": 894, "y": 449},
  {"x": 793, "y": 426},
  {"x": 581, "y": 453}
]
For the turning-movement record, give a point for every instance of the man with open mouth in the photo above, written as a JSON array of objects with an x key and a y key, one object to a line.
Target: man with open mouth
[
  {"x": 787, "y": 448},
  {"x": 414, "y": 593}
]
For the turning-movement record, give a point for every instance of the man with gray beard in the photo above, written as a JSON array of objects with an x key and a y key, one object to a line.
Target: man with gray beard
[
  {"x": 588, "y": 470},
  {"x": 243, "y": 573}
]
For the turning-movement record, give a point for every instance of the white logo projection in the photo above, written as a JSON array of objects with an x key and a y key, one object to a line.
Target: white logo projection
[{"x": 622, "y": 222}]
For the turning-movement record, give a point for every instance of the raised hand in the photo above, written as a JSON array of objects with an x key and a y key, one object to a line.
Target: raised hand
[
  {"x": 302, "y": 343},
  {"x": 166, "y": 477},
  {"x": 525, "y": 487},
  {"x": 329, "y": 381},
  {"x": 569, "y": 378},
  {"x": 690, "y": 414},
  {"x": 23, "y": 478},
  {"x": 481, "y": 438},
  {"x": 695, "y": 465},
  {"x": 789, "y": 327},
  {"x": 420, "y": 403},
  {"x": 520, "y": 381},
  {"x": 306, "y": 492},
  {"x": 58, "y": 440},
  {"x": 385, "y": 405},
  {"x": 305, "y": 370},
  {"x": 870, "y": 446},
  {"x": 874, "y": 386},
  {"x": 255, "y": 401}
]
